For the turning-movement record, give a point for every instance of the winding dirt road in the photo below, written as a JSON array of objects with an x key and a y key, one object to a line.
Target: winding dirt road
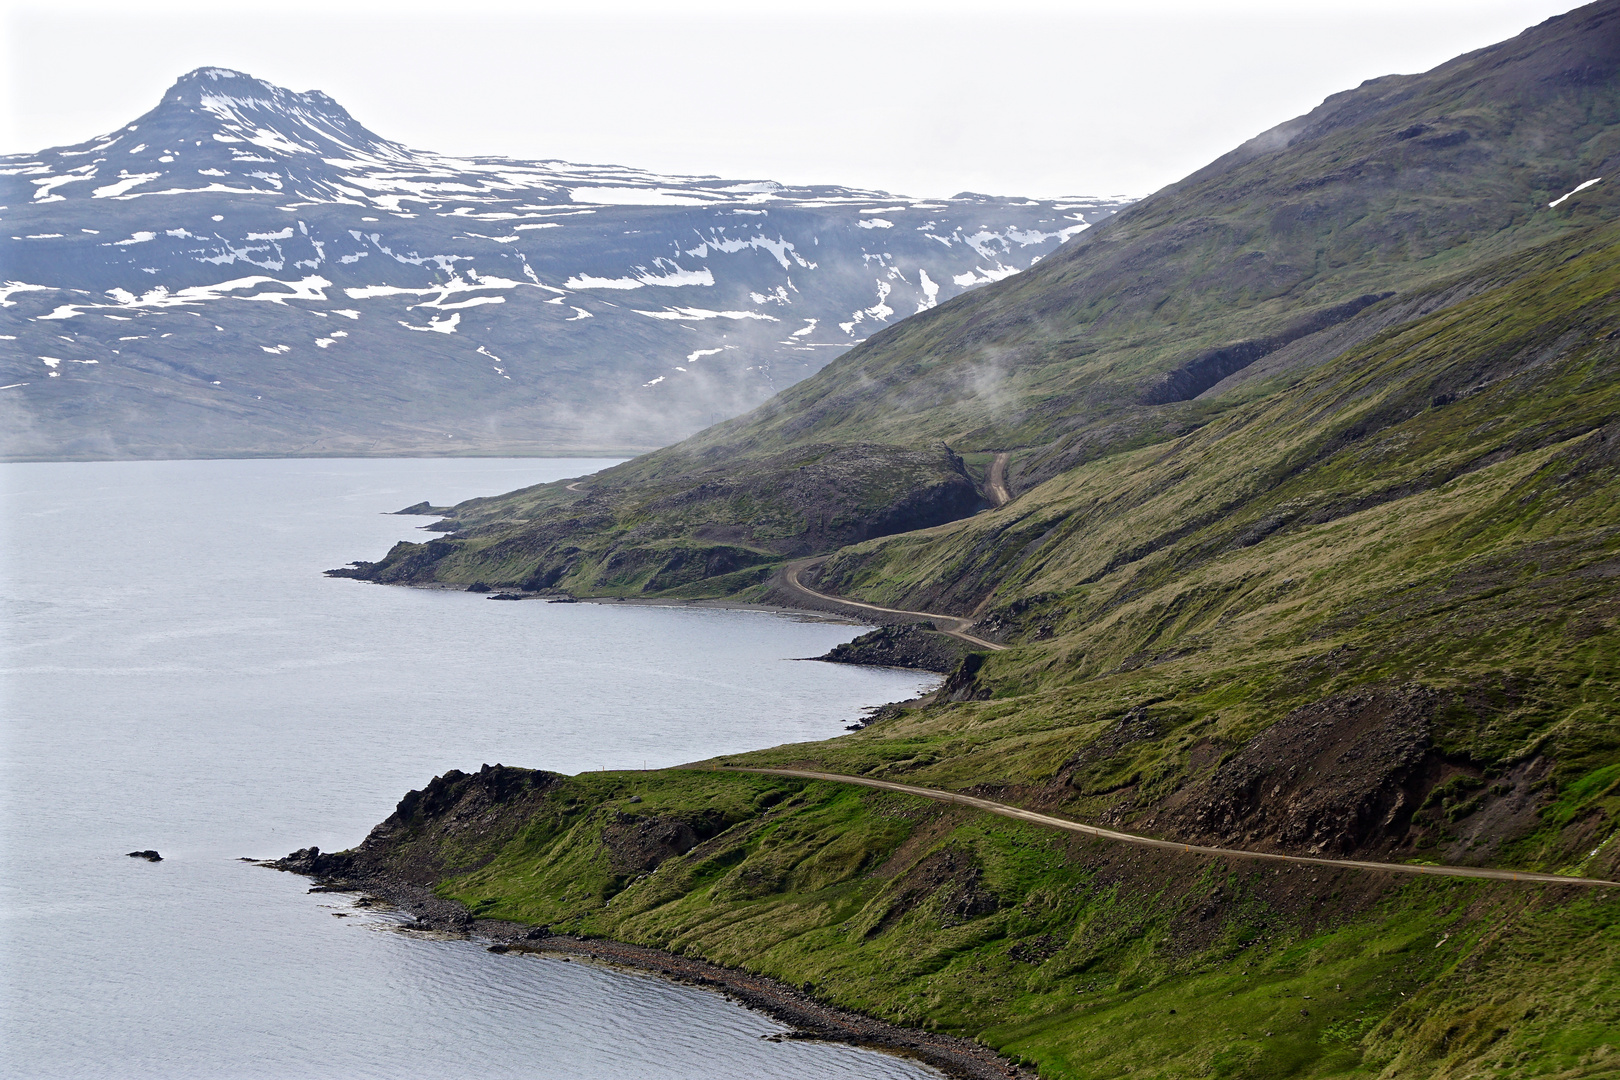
[
  {"x": 1020, "y": 814},
  {"x": 995, "y": 484},
  {"x": 995, "y": 489},
  {"x": 954, "y": 625}
]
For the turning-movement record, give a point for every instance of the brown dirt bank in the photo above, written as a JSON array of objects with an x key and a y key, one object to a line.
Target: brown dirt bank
[{"x": 797, "y": 1007}]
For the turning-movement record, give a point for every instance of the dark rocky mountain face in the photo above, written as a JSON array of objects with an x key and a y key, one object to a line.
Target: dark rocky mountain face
[{"x": 248, "y": 270}]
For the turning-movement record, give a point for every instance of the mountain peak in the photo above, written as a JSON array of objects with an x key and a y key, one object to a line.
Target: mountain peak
[{"x": 233, "y": 96}]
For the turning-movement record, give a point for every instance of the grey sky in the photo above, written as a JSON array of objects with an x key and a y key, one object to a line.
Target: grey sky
[{"x": 1020, "y": 97}]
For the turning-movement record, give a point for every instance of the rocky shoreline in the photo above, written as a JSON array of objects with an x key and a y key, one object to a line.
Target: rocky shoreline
[{"x": 794, "y": 1006}]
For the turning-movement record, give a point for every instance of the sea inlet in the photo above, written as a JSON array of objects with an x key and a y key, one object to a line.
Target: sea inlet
[{"x": 177, "y": 675}]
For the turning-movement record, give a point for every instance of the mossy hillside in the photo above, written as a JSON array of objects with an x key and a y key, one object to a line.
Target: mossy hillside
[
  {"x": 1393, "y": 187},
  {"x": 1087, "y": 958},
  {"x": 1408, "y": 544},
  {"x": 1482, "y": 573},
  {"x": 1403, "y": 181},
  {"x": 725, "y": 527},
  {"x": 1473, "y": 563},
  {"x": 1522, "y": 364}
]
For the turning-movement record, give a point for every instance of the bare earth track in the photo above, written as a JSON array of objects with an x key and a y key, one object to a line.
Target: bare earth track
[
  {"x": 954, "y": 625},
  {"x": 1020, "y": 814},
  {"x": 995, "y": 485}
]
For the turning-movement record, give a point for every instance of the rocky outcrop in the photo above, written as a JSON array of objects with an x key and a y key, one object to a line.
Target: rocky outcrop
[
  {"x": 1340, "y": 775},
  {"x": 907, "y": 646},
  {"x": 455, "y": 824},
  {"x": 638, "y": 844}
]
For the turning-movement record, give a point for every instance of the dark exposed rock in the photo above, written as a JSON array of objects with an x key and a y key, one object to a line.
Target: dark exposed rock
[
  {"x": 963, "y": 684},
  {"x": 148, "y": 855},
  {"x": 906, "y": 646},
  {"x": 453, "y": 825},
  {"x": 639, "y": 844},
  {"x": 1335, "y": 776},
  {"x": 478, "y": 587},
  {"x": 1208, "y": 368},
  {"x": 1036, "y": 950}
]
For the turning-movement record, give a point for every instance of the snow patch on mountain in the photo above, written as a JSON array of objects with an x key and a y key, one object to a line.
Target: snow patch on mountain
[
  {"x": 665, "y": 274},
  {"x": 699, "y": 314}
]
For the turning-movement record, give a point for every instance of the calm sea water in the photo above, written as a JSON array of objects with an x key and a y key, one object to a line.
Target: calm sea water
[{"x": 175, "y": 673}]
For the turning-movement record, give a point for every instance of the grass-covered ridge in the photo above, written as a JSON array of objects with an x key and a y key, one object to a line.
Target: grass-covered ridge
[
  {"x": 1084, "y": 958},
  {"x": 1361, "y": 600},
  {"x": 1302, "y": 244}
]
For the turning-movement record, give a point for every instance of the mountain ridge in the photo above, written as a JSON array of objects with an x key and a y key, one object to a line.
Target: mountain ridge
[{"x": 245, "y": 270}]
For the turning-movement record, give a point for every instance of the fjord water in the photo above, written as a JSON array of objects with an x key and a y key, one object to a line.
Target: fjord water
[{"x": 177, "y": 674}]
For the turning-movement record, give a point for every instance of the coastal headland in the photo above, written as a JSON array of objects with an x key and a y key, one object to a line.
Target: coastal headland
[{"x": 1273, "y": 527}]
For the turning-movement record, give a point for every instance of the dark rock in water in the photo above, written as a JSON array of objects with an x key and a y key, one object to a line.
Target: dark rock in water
[
  {"x": 315, "y": 863},
  {"x": 478, "y": 586},
  {"x": 500, "y": 948},
  {"x": 507, "y": 596},
  {"x": 149, "y": 855},
  {"x": 906, "y": 646}
]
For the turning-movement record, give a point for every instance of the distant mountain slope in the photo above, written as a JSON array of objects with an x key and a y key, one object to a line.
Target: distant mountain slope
[
  {"x": 245, "y": 269},
  {"x": 1385, "y": 205}
]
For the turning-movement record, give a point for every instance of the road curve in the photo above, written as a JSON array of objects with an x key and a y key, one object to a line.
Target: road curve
[
  {"x": 1020, "y": 814},
  {"x": 995, "y": 484},
  {"x": 954, "y": 625}
]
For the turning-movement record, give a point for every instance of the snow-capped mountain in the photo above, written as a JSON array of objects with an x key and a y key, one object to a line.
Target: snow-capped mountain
[{"x": 245, "y": 269}]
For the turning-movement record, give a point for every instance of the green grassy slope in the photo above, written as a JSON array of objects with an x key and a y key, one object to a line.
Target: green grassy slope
[
  {"x": 1084, "y": 958},
  {"x": 1366, "y": 603},
  {"x": 1393, "y": 634},
  {"x": 1271, "y": 253}
]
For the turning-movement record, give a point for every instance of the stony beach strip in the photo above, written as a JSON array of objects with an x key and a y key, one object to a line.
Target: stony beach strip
[{"x": 808, "y": 1018}]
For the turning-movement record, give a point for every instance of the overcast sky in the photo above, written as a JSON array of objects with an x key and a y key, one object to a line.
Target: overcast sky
[{"x": 1016, "y": 97}]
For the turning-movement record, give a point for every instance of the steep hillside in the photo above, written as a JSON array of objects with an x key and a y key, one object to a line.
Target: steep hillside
[
  {"x": 1386, "y": 204},
  {"x": 1372, "y": 615},
  {"x": 248, "y": 270},
  {"x": 1312, "y": 553}
]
